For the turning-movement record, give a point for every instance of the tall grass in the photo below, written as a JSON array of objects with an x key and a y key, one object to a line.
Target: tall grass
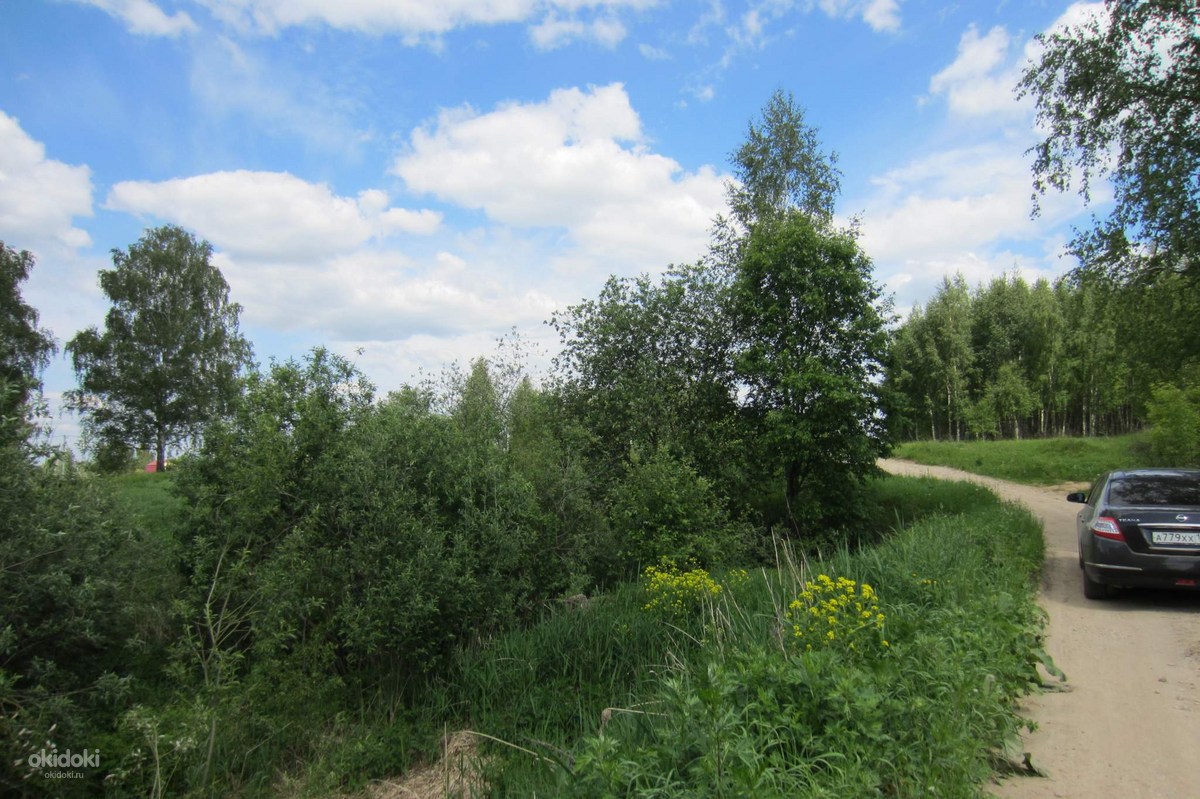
[
  {"x": 149, "y": 497},
  {"x": 1035, "y": 461},
  {"x": 612, "y": 698}
]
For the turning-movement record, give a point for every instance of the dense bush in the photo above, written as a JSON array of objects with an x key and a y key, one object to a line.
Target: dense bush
[
  {"x": 81, "y": 602},
  {"x": 1174, "y": 414},
  {"x": 339, "y": 550},
  {"x": 663, "y": 508}
]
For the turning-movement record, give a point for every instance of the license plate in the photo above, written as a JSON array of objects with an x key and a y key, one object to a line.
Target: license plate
[{"x": 1190, "y": 539}]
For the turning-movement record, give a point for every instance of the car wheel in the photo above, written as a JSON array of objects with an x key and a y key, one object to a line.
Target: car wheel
[{"x": 1095, "y": 590}]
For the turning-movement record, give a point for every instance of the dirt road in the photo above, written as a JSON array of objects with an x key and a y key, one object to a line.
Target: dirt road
[{"x": 1128, "y": 724}]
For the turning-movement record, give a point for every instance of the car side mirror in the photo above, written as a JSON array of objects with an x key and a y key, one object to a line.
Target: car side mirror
[{"x": 1077, "y": 496}]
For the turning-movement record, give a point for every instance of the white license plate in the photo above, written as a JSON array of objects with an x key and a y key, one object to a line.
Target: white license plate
[{"x": 1192, "y": 539}]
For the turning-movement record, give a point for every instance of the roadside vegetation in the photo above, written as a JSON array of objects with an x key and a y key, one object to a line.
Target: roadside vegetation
[{"x": 891, "y": 670}]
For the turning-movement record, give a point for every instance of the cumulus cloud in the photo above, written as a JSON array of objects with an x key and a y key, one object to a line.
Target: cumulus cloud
[
  {"x": 39, "y": 197},
  {"x": 967, "y": 208},
  {"x": 964, "y": 199},
  {"x": 145, "y": 18},
  {"x": 383, "y": 295},
  {"x": 980, "y": 80},
  {"x": 270, "y": 215},
  {"x": 300, "y": 257},
  {"x": 576, "y": 161},
  {"x": 962, "y": 210}
]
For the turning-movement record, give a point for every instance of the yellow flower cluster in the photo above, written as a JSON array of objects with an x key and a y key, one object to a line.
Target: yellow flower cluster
[
  {"x": 838, "y": 612},
  {"x": 675, "y": 592},
  {"x": 737, "y": 577}
]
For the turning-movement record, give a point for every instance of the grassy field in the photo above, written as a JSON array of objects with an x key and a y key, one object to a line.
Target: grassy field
[
  {"x": 149, "y": 496},
  {"x": 1034, "y": 461}
]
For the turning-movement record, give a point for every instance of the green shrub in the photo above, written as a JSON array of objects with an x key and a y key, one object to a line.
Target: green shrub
[
  {"x": 663, "y": 508},
  {"x": 1174, "y": 415},
  {"x": 82, "y": 599}
]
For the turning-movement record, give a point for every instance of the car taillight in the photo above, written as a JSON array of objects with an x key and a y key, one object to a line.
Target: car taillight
[{"x": 1106, "y": 527}]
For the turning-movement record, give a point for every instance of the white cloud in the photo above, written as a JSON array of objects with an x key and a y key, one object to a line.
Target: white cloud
[
  {"x": 966, "y": 209},
  {"x": 969, "y": 199},
  {"x": 270, "y": 215},
  {"x": 39, "y": 197},
  {"x": 145, "y": 18},
  {"x": 880, "y": 15},
  {"x": 979, "y": 83},
  {"x": 576, "y": 161},
  {"x": 980, "y": 80},
  {"x": 554, "y": 32},
  {"x": 393, "y": 362},
  {"x": 232, "y": 79},
  {"x": 652, "y": 53},
  {"x": 384, "y": 296}
]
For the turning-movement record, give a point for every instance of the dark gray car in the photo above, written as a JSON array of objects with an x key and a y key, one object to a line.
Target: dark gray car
[{"x": 1140, "y": 527}]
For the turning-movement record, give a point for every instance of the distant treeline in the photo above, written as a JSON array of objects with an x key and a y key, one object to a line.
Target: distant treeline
[{"x": 1082, "y": 356}]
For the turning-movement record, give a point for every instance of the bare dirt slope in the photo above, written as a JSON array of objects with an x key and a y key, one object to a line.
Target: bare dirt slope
[{"x": 1128, "y": 723}]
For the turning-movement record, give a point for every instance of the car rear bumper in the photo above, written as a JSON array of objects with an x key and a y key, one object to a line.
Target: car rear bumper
[{"x": 1114, "y": 563}]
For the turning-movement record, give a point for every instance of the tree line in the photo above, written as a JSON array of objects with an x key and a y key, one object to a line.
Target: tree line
[
  {"x": 1116, "y": 344},
  {"x": 1084, "y": 355}
]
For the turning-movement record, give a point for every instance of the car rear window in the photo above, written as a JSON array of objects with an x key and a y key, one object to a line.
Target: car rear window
[{"x": 1155, "y": 490}]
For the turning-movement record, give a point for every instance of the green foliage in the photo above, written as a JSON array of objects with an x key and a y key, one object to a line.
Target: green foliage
[
  {"x": 1012, "y": 360},
  {"x": 342, "y": 550},
  {"x": 649, "y": 365},
  {"x": 780, "y": 168},
  {"x": 25, "y": 349},
  {"x": 170, "y": 355},
  {"x": 1117, "y": 95},
  {"x": 1174, "y": 414},
  {"x": 663, "y": 508},
  {"x": 758, "y": 368},
  {"x": 810, "y": 324},
  {"x": 82, "y": 604}
]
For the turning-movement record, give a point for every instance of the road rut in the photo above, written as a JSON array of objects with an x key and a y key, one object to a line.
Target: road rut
[{"x": 1127, "y": 725}]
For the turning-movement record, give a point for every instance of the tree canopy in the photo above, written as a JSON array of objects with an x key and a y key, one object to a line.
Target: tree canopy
[
  {"x": 1080, "y": 356},
  {"x": 780, "y": 166},
  {"x": 758, "y": 367},
  {"x": 1119, "y": 97},
  {"x": 811, "y": 345},
  {"x": 169, "y": 357},
  {"x": 25, "y": 348}
]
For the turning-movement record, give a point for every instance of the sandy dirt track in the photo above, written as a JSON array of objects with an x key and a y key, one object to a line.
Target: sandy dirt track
[{"x": 1127, "y": 725}]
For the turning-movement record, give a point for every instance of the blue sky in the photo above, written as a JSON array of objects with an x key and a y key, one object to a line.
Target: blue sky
[{"x": 404, "y": 181}]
